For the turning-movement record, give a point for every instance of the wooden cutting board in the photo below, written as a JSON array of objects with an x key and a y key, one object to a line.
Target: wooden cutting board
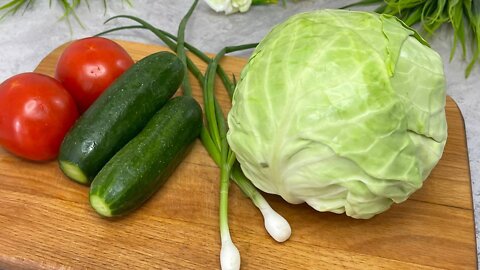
[{"x": 46, "y": 221}]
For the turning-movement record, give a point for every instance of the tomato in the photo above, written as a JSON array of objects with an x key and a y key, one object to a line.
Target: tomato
[
  {"x": 88, "y": 66},
  {"x": 35, "y": 114}
]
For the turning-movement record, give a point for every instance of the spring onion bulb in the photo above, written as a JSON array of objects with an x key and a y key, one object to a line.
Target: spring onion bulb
[
  {"x": 229, "y": 255},
  {"x": 275, "y": 224}
]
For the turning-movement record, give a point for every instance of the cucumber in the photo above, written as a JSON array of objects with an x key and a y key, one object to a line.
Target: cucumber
[
  {"x": 119, "y": 114},
  {"x": 143, "y": 165}
]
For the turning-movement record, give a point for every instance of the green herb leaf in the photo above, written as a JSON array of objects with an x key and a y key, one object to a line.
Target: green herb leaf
[{"x": 455, "y": 13}]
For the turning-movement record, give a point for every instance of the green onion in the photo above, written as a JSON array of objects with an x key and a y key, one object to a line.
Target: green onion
[
  {"x": 462, "y": 15},
  {"x": 229, "y": 255},
  {"x": 160, "y": 34},
  {"x": 220, "y": 71},
  {"x": 213, "y": 136},
  {"x": 187, "y": 88},
  {"x": 276, "y": 225}
]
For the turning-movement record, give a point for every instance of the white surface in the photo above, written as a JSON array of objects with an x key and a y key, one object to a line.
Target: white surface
[{"x": 26, "y": 39}]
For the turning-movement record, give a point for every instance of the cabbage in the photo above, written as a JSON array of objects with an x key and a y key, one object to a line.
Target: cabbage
[{"x": 342, "y": 110}]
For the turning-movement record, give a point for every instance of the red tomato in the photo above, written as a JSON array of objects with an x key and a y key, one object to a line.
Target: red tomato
[
  {"x": 88, "y": 66},
  {"x": 35, "y": 114}
]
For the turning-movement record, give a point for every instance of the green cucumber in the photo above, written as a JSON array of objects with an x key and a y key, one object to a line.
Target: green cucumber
[
  {"x": 119, "y": 114},
  {"x": 143, "y": 165}
]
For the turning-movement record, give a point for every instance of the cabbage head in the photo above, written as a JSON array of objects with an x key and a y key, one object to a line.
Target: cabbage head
[{"x": 342, "y": 110}]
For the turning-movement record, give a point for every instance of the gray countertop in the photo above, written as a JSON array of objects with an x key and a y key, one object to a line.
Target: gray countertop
[{"x": 29, "y": 36}]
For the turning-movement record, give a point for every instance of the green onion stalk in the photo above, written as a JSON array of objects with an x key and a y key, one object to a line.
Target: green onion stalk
[
  {"x": 462, "y": 15},
  {"x": 213, "y": 134}
]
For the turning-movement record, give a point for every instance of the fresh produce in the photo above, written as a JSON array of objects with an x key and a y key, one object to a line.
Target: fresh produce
[
  {"x": 88, "y": 66},
  {"x": 36, "y": 113},
  {"x": 119, "y": 114},
  {"x": 141, "y": 167},
  {"x": 275, "y": 224},
  {"x": 462, "y": 15},
  {"x": 342, "y": 110}
]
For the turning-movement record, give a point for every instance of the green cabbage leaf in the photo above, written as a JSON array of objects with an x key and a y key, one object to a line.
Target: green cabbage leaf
[{"x": 342, "y": 110}]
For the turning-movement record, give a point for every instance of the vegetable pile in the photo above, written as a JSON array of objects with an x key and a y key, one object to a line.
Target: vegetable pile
[
  {"x": 213, "y": 135},
  {"x": 365, "y": 122},
  {"x": 341, "y": 110},
  {"x": 119, "y": 114},
  {"x": 132, "y": 134},
  {"x": 40, "y": 109}
]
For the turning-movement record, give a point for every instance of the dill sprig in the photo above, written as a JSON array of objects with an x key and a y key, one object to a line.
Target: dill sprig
[{"x": 11, "y": 7}]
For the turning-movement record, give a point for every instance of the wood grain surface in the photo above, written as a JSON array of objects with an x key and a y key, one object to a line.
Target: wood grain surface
[{"x": 47, "y": 223}]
